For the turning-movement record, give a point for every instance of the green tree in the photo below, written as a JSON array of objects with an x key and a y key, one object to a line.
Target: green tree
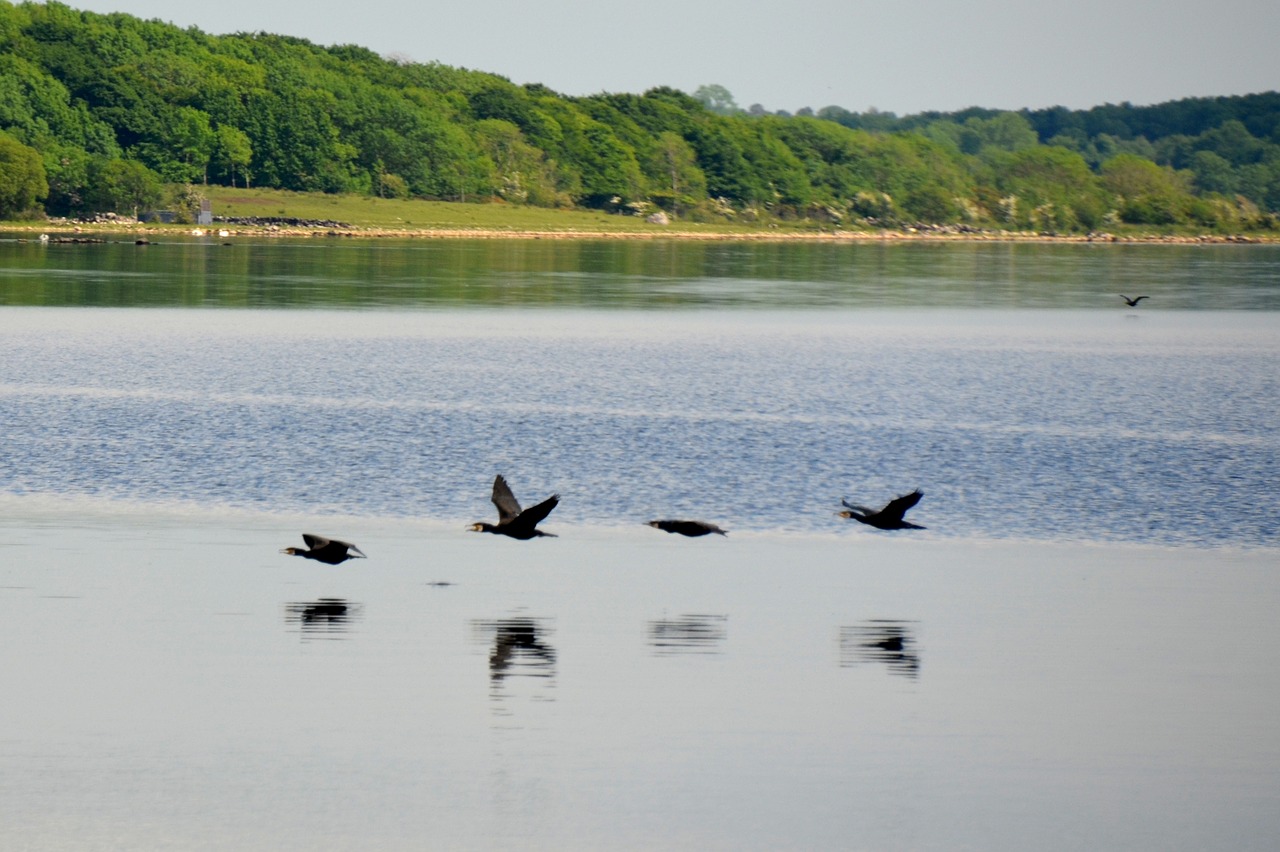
[
  {"x": 717, "y": 99},
  {"x": 1148, "y": 194},
  {"x": 67, "y": 169},
  {"x": 1047, "y": 188},
  {"x": 605, "y": 167},
  {"x": 522, "y": 173},
  {"x": 1213, "y": 173},
  {"x": 232, "y": 150},
  {"x": 391, "y": 186},
  {"x": 1007, "y": 131},
  {"x": 194, "y": 140},
  {"x": 683, "y": 183},
  {"x": 124, "y": 186},
  {"x": 22, "y": 177},
  {"x": 1260, "y": 182}
]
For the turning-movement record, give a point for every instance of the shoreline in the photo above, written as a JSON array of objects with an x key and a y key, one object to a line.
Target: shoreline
[{"x": 88, "y": 231}]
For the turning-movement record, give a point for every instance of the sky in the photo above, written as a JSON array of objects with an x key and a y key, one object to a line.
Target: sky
[{"x": 902, "y": 57}]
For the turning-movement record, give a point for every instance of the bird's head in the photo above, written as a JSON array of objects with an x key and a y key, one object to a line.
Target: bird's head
[
  {"x": 480, "y": 526},
  {"x": 293, "y": 551}
]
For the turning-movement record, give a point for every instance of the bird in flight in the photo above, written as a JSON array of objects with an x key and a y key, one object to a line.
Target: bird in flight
[
  {"x": 327, "y": 550},
  {"x": 1133, "y": 303},
  {"x": 888, "y": 518},
  {"x": 689, "y": 528},
  {"x": 512, "y": 520}
]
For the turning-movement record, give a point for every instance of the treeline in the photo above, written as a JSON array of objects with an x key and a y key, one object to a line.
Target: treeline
[{"x": 102, "y": 112}]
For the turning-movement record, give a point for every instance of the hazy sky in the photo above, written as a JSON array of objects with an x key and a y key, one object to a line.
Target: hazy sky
[{"x": 897, "y": 56}]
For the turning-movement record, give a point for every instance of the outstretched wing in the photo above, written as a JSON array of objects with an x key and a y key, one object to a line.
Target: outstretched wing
[
  {"x": 863, "y": 509},
  {"x": 508, "y": 506},
  {"x": 898, "y": 506},
  {"x": 534, "y": 515},
  {"x": 314, "y": 542}
]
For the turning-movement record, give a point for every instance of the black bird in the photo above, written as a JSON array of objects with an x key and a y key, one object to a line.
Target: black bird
[
  {"x": 689, "y": 528},
  {"x": 888, "y": 518},
  {"x": 327, "y": 550},
  {"x": 512, "y": 520},
  {"x": 1133, "y": 303}
]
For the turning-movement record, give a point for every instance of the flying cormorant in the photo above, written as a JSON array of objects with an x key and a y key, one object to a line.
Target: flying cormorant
[
  {"x": 327, "y": 550},
  {"x": 689, "y": 528},
  {"x": 888, "y": 518},
  {"x": 512, "y": 520},
  {"x": 1133, "y": 303}
]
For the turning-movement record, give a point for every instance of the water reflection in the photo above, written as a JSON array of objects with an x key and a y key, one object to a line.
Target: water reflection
[
  {"x": 621, "y": 273},
  {"x": 880, "y": 640},
  {"x": 518, "y": 648},
  {"x": 323, "y": 618},
  {"x": 688, "y": 634}
]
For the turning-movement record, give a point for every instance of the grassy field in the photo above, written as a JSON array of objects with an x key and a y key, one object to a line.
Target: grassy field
[
  {"x": 411, "y": 217},
  {"x": 392, "y": 214}
]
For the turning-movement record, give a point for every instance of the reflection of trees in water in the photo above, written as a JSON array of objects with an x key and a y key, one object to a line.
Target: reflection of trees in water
[
  {"x": 697, "y": 633},
  {"x": 323, "y": 618},
  {"x": 881, "y": 640},
  {"x": 518, "y": 649}
]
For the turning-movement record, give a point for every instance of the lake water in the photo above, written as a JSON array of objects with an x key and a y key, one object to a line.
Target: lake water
[{"x": 1079, "y": 652}]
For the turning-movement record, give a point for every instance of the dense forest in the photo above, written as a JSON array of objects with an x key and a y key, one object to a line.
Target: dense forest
[{"x": 110, "y": 112}]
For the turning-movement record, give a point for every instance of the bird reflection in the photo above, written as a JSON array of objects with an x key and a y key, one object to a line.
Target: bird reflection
[
  {"x": 323, "y": 618},
  {"x": 881, "y": 641},
  {"x": 688, "y": 634},
  {"x": 519, "y": 648}
]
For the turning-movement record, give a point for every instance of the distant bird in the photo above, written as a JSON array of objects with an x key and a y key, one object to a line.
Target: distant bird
[
  {"x": 689, "y": 528},
  {"x": 1133, "y": 303},
  {"x": 327, "y": 550},
  {"x": 512, "y": 520},
  {"x": 888, "y": 518}
]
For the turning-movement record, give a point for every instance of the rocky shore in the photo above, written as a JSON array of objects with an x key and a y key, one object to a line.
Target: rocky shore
[{"x": 67, "y": 231}]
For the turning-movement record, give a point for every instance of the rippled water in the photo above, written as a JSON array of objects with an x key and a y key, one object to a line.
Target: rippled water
[{"x": 1156, "y": 427}]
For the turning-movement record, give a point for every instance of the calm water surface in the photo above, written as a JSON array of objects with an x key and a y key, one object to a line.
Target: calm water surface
[{"x": 1078, "y": 653}]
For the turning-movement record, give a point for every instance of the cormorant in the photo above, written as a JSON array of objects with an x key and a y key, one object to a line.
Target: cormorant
[
  {"x": 327, "y": 550},
  {"x": 512, "y": 520},
  {"x": 1133, "y": 303},
  {"x": 689, "y": 528},
  {"x": 888, "y": 518}
]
